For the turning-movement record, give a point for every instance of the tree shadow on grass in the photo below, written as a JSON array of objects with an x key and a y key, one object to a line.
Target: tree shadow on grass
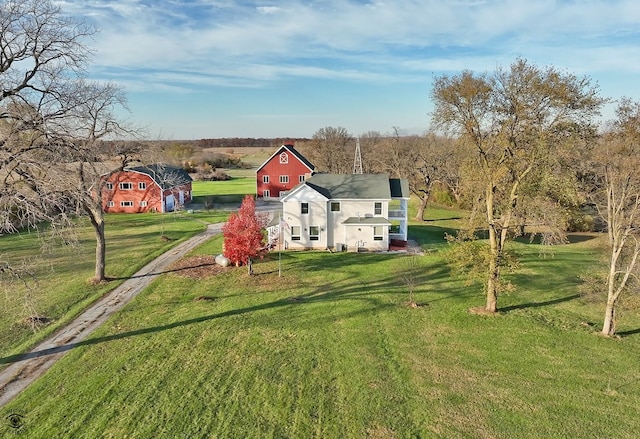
[
  {"x": 539, "y": 304},
  {"x": 353, "y": 291},
  {"x": 628, "y": 333},
  {"x": 69, "y": 346}
]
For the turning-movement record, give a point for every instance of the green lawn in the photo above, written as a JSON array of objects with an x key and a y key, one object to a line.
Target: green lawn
[
  {"x": 56, "y": 285},
  {"x": 223, "y": 192},
  {"x": 330, "y": 350}
]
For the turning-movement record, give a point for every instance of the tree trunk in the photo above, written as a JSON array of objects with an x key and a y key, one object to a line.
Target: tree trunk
[
  {"x": 424, "y": 199},
  {"x": 609, "y": 326},
  {"x": 496, "y": 251},
  {"x": 96, "y": 216},
  {"x": 494, "y": 272},
  {"x": 101, "y": 247}
]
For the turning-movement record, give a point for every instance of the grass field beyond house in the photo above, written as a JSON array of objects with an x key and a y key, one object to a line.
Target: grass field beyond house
[{"x": 331, "y": 350}]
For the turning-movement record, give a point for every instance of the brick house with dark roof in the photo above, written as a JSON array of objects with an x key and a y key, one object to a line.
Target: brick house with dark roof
[
  {"x": 148, "y": 188},
  {"x": 285, "y": 169}
]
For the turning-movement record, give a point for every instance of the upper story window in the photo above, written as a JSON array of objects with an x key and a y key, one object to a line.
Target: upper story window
[
  {"x": 377, "y": 208},
  {"x": 142, "y": 185},
  {"x": 304, "y": 208},
  {"x": 335, "y": 206},
  {"x": 284, "y": 158},
  {"x": 265, "y": 179},
  {"x": 126, "y": 186},
  {"x": 284, "y": 179},
  {"x": 109, "y": 186},
  {"x": 301, "y": 178}
]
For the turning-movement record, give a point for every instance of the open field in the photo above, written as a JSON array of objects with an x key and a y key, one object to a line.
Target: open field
[
  {"x": 252, "y": 156},
  {"x": 330, "y": 349}
]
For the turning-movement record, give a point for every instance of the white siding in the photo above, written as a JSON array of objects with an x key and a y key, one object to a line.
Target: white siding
[{"x": 291, "y": 212}]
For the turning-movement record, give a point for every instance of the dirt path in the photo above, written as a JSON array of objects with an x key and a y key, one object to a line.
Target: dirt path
[{"x": 26, "y": 368}]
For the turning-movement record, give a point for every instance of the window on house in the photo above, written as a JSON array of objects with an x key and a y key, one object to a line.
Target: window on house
[
  {"x": 314, "y": 233},
  {"x": 284, "y": 179},
  {"x": 266, "y": 193},
  {"x": 378, "y": 233},
  {"x": 142, "y": 185},
  {"x": 284, "y": 158},
  {"x": 126, "y": 186},
  {"x": 143, "y": 204},
  {"x": 109, "y": 186},
  {"x": 126, "y": 203},
  {"x": 301, "y": 178},
  {"x": 335, "y": 206},
  {"x": 265, "y": 179},
  {"x": 295, "y": 233},
  {"x": 377, "y": 208},
  {"x": 110, "y": 204},
  {"x": 304, "y": 208}
]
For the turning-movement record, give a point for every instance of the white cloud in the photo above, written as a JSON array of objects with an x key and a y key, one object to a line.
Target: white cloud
[
  {"x": 240, "y": 41},
  {"x": 268, "y": 9}
]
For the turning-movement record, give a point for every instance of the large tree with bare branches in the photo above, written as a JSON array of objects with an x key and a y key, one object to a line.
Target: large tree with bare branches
[
  {"x": 51, "y": 120},
  {"x": 617, "y": 195},
  {"x": 42, "y": 52},
  {"x": 332, "y": 150},
  {"x": 518, "y": 121}
]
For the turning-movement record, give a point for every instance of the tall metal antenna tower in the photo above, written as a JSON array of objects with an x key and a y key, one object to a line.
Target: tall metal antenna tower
[{"x": 357, "y": 161}]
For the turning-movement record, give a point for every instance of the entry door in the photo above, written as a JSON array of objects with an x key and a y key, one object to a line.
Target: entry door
[{"x": 170, "y": 203}]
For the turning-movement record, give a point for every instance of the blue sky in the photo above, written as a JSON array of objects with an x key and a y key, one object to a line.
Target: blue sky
[{"x": 197, "y": 69}]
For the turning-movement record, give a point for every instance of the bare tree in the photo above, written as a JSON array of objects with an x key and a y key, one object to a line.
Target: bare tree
[
  {"x": 422, "y": 160},
  {"x": 332, "y": 150},
  {"x": 52, "y": 120},
  {"x": 41, "y": 52},
  {"x": 90, "y": 120},
  {"x": 517, "y": 120},
  {"x": 617, "y": 160}
]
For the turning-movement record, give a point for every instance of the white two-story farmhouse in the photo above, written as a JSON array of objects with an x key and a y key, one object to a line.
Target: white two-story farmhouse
[{"x": 351, "y": 212}]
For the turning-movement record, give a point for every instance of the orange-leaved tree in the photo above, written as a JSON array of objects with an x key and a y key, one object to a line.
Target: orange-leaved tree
[{"x": 243, "y": 237}]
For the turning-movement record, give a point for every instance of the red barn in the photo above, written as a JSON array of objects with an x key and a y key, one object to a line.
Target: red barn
[
  {"x": 284, "y": 170},
  {"x": 150, "y": 188}
]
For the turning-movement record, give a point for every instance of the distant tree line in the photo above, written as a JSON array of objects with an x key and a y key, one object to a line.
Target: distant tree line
[{"x": 246, "y": 142}]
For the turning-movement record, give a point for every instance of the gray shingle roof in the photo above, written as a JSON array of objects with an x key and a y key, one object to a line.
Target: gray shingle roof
[
  {"x": 351, "y": 186},
  {"x": 165, "y": 176},
  {"x": 367, "y": 220}
]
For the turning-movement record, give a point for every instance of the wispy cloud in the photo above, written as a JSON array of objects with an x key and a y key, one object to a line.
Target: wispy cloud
[{"x": 185, "y": 47}]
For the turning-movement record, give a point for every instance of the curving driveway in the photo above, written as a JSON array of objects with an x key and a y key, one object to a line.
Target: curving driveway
[{"x": 26, "y": 368}]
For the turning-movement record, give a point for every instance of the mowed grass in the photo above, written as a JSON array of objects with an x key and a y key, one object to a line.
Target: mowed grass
[
  {"x": 331, "y": 350},
  {"x": 242, "y": 182},
  {"x": 224, "y": 192},
  {"x": 55, "y": 282}
]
